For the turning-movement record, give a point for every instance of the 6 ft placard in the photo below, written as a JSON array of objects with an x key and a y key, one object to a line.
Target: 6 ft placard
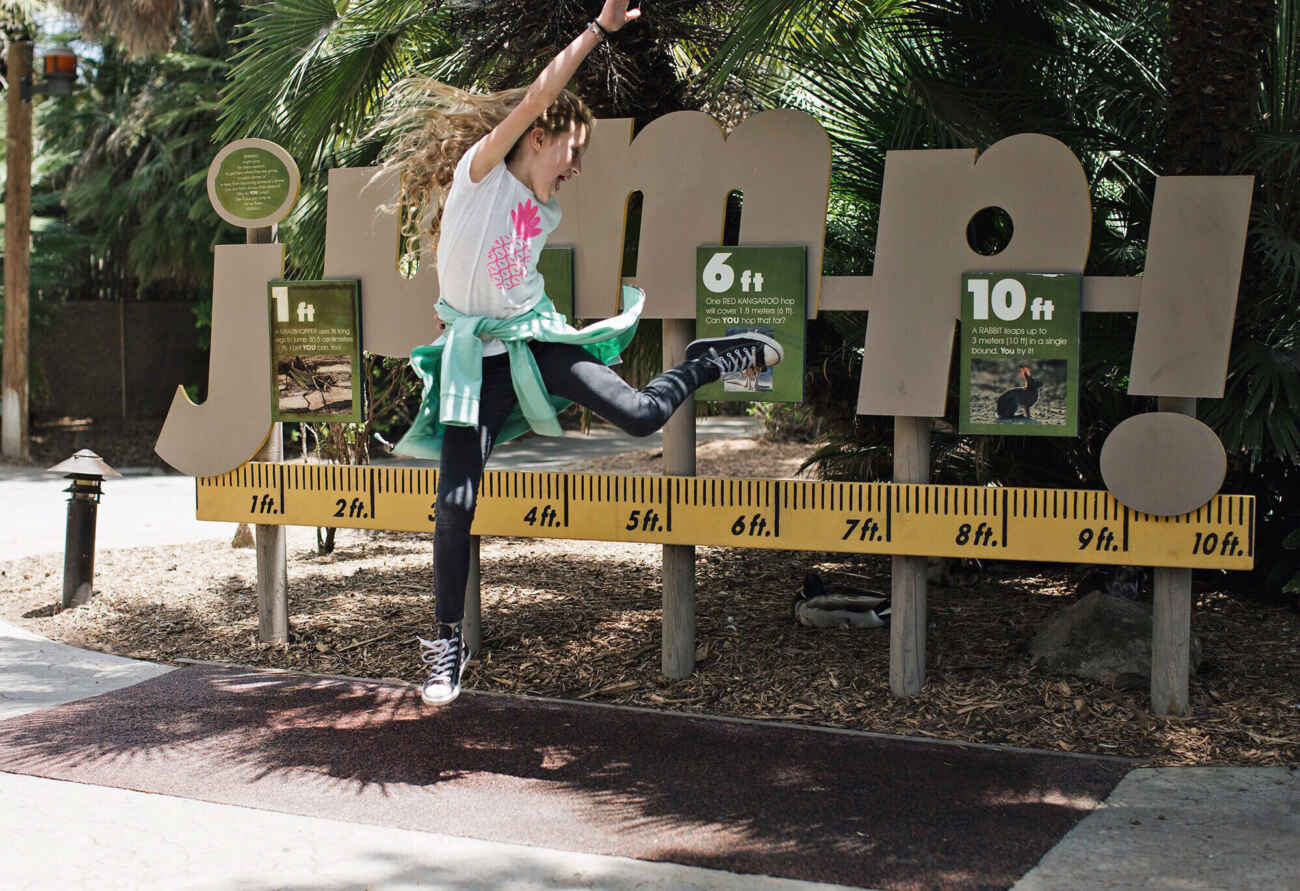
[{"x": 762, "y": 289}]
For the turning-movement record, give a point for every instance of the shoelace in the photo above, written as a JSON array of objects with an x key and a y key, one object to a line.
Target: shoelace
[
  {"x": 439, "y": 654},
  {"x": 737, "y": 359}
]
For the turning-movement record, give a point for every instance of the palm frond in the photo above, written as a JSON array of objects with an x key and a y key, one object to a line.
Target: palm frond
[
  {"x": 144, "y": 27},
  {"x": 765, "y": 27},
  {"x": 1260, "y": 412}
]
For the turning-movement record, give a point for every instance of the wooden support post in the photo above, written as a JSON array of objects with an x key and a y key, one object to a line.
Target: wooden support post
[
  {"x": 272, "y": 572},
  {"x": 1171, "y": 618},
  {"x": 907, "y": 616},
  {"x": 18, "y": 248},
  {"x": 679, "y": 560},
  {"x": 1171, "y": 630},
  {"x": 471, "y": 626}
]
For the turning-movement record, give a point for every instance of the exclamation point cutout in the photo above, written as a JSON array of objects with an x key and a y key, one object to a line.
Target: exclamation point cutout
[{"x": 1167, "y": 463}]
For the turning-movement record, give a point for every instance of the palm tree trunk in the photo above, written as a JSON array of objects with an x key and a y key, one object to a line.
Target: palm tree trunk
[{"x": 1216, "y": 56}]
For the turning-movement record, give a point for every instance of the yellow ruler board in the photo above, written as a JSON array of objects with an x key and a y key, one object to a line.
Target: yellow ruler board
[{"x": 1059, "y": 525}]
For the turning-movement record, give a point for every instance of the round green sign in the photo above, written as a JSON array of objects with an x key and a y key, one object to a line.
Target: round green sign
[{"x": 253, "y": 183}]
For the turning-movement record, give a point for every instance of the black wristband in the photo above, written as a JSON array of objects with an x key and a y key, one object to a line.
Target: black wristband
[{"x": 601, "y": 28}]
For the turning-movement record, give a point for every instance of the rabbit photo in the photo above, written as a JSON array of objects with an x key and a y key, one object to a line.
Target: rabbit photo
[
  {"x": 1022, "y": 397},
  {"x": 1028, "y": 392}
]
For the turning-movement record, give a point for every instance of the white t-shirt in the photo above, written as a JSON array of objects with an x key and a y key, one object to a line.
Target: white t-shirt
[{"x": 493, "y": 232}]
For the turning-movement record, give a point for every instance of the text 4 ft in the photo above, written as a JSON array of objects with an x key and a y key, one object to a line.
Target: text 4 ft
[{"x": 545, "y": 516}]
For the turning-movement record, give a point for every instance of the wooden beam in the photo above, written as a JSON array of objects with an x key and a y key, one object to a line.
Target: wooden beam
[
  {"x": 907, "y": 608},
  {"x": 272, "y": 566},
  {"x": 1171, "y": 619},
  {"x": 679, "y": 560},
  {"x": 1101, "y": 293},
  {"x": 471, "y": 624}
]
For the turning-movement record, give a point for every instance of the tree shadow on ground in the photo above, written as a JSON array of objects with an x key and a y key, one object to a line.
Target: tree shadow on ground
[{"x": 746, "y": 797}]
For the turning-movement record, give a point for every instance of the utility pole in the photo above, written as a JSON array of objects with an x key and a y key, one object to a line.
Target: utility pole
[{"x": 18, "y": 247}]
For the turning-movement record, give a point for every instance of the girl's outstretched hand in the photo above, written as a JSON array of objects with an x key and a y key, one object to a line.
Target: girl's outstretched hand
[{"x": 616, "y": 14}]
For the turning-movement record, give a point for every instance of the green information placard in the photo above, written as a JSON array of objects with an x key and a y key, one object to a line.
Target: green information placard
[
  {"x": 755, "y": 288},
  {"x": 316, "y": 351},
  {"x": 1020, "y": 354},
  {"x": 253, "y": 183},
  {"x": 556, "y": 266}
]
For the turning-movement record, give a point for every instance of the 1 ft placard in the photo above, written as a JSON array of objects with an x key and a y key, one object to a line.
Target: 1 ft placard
[{"x": 315, "y": 351}]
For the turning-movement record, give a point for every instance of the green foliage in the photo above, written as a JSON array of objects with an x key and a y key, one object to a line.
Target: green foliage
[
  {"x": 311, "y": 75},
  {"x": 18, "y": 18},
  {"x": 121, "y": 172},
  {"x": 787, "y": 421},
  {"x": 1292, "y": 543},
  {"x": 395, "y": 393}
]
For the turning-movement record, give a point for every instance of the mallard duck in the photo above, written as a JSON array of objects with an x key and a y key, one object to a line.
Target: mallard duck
[{"x": 815, "y": 607}]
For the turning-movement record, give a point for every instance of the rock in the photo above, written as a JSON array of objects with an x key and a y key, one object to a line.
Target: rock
[
  {"x": 243, "y": 537},
  {"x": 1101, "y": 637}
]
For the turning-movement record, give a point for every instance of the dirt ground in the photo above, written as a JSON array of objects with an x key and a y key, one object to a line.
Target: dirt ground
[{"x": 581, "y": 620}]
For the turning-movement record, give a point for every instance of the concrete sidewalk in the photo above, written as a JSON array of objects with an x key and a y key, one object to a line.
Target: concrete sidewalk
[
  {"x": 72, "y": 835},
  {"x": 1174, "y": 828}
]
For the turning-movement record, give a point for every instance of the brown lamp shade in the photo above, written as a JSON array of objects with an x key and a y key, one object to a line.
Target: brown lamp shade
[{"x": 60, "y": 62}]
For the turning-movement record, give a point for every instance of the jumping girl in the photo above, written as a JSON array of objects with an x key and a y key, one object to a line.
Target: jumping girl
[{"x": 508, "y": 360}]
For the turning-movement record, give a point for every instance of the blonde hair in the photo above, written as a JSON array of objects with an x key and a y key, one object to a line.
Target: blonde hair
[{"x": 429, "y": 126}]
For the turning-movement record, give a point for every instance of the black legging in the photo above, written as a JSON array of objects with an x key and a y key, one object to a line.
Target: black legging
[{"x": 569, "y": 372}]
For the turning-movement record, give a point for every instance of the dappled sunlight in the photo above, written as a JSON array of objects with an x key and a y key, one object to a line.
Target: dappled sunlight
[
  {"x": 582, "y": 620},
  {"x": 1053, "y": 797}
]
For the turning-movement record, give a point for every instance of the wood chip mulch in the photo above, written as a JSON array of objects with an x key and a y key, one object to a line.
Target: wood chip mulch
[{"x": 581, "y": 620}]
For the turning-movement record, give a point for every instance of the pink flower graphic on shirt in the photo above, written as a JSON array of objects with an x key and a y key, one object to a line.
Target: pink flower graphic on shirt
[
  {"x": 527, "y": 220},
  {"x": 508, "y": 258}
]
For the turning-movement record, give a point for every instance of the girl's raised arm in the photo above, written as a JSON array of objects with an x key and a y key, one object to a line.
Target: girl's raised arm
[{"x": 543, "y": 91}]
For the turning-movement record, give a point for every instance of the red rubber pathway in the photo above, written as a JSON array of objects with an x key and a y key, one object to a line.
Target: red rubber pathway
[{"x": 746, "y": 797}]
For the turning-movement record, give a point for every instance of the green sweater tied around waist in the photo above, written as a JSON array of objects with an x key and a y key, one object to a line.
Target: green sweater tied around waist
[{"x": 452, "y": 369}]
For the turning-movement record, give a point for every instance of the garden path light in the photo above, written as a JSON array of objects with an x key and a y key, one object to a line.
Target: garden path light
[{"x": 86, "y": 470}]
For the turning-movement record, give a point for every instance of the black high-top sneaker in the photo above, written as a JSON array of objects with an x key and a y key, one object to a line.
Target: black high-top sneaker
[
  {"x": 446, "y": 657},
  {"x": 737, "y": 353}
]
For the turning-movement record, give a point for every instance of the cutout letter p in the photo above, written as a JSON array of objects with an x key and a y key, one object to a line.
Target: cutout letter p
[{"x": 929, "y": 197}]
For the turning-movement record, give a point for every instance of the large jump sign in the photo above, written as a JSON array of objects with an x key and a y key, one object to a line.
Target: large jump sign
[
  {"x": 1020, "y": 354},
  {"x": 762, "y": 289}
]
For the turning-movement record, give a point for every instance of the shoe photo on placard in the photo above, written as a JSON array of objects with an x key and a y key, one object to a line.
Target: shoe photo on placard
[{"x": 737, "y": 353}]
